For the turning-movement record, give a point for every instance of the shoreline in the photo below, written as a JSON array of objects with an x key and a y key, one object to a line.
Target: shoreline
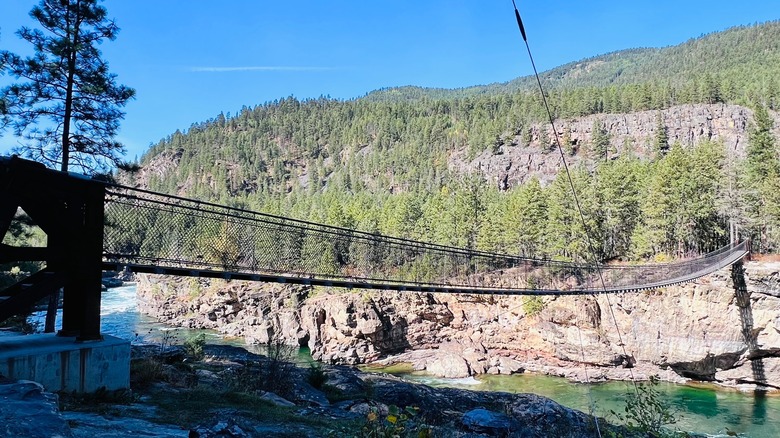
[{"x": 403, "y": 369}]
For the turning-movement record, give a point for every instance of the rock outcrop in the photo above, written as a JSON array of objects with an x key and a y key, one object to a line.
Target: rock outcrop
[
  {"x": 700, "y": 331},
  {"x": 520, "y": 158},
  {"x": 516, "y": 161},
  {"x": 27, "y": 410}
]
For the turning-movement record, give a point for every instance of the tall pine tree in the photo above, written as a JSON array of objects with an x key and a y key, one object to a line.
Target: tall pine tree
[
  {"x": 68, "y": 106},
  {"x": 599, "y": 141},
  {"x": 661, "y": 137}
]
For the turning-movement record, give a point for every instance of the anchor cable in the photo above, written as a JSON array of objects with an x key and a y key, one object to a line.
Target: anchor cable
[{"x": 591, "y": 246}]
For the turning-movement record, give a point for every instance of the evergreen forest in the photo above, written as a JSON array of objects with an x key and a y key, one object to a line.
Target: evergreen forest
[{"x": 382, "y": 163}]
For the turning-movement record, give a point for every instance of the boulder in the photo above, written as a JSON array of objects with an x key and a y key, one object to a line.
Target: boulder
[
  {"x": 89, "y": 425},
  {"x": 275, "y": 399},
  {"x": 486, "y": 422},
  {"x": 27, "y": 410},
  {"x": 449, "y": 365}
]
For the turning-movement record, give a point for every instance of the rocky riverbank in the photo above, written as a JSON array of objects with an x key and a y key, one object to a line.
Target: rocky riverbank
[
  {"x": 224, "y": 392},
  {"x": 703, "y": 330}
]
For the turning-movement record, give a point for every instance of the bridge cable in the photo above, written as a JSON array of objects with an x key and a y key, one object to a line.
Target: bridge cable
[
  {"x": 591, "y": 405},
  {"x": 591, "y": 247}
]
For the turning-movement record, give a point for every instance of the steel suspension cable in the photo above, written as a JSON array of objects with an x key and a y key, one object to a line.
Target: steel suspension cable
[
  {"x": 591, "y": 247},
  {"x": 555, "y": 133}
]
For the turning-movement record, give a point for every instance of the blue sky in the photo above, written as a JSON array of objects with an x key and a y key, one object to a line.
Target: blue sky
[{"x": 191, "y": 60}]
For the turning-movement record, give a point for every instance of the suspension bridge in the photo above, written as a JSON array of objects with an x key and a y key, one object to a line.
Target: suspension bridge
[{"x": 93, "y": 226}]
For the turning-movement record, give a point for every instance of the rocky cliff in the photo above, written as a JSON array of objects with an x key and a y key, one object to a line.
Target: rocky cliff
[
  {"x": 522, "y": 157},
  {"x": 704, "y": 330},
  {"x": 516, "y": 161}
]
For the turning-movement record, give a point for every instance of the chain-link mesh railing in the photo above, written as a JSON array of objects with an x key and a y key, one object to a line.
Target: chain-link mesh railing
[{"x": 150, "y": 229}]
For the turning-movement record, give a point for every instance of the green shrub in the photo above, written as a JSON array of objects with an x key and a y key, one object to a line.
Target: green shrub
[
  {"x": 193, "y": 347},
  {"x": 316, "y": 376},
  {"x": 647, "y": 412},
  {"x": 397, "y": 423},
  {"x": 533, "y": 306},
  {"x": 20, "y": 323},
  {"x": 275, "y": 374},
  {"x": 101, "y": 400},
  {"x": 144, "y": 372}
]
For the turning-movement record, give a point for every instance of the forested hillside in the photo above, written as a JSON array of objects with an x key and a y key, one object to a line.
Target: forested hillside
[
  {"x": 388, "y": 162},
  {"x": 721, "y": 63}
]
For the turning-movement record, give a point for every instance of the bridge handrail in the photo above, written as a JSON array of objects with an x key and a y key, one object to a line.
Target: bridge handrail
[
  {"x": 458, "y": 264},
  {"x": 369, "y": 283},
  {"x": 336, "y": 230},
  {"x": 306, "y": 225}
]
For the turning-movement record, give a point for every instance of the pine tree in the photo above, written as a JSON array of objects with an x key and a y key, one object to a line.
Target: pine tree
[
  {"x": 599, "y": 141},
  {"x": 567, "y": 142},
  {"x": 525, "y": 220},
  {"x": 70, "y": 107},
  {"x": 565, "y": 233},
  {"x": 525, "y": 136},
  {"x": 618, "y": 185},
  {"x": 762, "y": 160},
  {"x": 544, "y": 139},
  {"x": 762, "y": 175},
  {"x": 661, "y": 137}
]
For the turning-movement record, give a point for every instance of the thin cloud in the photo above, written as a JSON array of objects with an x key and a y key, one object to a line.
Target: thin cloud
[{"x": 258, "y": 68}]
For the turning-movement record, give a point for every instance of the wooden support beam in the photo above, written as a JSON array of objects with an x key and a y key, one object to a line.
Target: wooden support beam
[
  {"x": 22, "y": 295},
  {"x": 92, "y": 263}
]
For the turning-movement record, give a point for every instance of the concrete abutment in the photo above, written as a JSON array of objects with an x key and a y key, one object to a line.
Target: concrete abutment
[{"x": 62, "y": 364}]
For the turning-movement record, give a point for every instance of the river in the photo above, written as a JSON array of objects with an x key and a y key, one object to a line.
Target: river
[{"x": 699, "y": 408}]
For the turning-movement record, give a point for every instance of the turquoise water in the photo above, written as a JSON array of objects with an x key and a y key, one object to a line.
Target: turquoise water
[
  {"x": 119, "y": 317},
  {"x": 701, "y": 409}
]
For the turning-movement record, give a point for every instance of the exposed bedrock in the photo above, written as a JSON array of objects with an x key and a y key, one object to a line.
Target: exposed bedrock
[
  {"x": 702, "y": 330},
  {"x": 516, "y": 161}
]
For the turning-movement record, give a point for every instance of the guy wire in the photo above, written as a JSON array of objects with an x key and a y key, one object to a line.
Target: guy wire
[{"x": 591, "y": 247}]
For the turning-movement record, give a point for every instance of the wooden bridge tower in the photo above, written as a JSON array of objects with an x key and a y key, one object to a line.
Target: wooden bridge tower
[{"x": 69, "y": 209}]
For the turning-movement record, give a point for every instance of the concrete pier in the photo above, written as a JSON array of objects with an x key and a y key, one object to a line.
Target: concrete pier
[{"x": 62, "y": 364}]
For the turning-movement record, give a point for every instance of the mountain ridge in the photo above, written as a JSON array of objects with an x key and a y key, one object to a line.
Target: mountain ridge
[{"x": 608, "y": 74}]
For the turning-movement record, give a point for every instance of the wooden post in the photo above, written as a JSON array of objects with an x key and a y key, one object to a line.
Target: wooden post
[
  {"x": 91, "y": 271},
  {"x": 69, "y": 254},
  {"x": 84, "y": 244}
]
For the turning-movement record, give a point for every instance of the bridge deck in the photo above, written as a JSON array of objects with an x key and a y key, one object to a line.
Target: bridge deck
[{"x": 410, "y": 286}]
